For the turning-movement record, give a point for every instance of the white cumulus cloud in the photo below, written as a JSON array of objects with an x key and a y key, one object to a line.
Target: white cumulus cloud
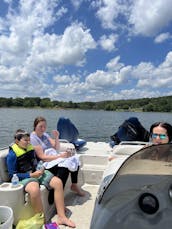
[
  {"x": 108, "y": 42},
  {"x": 162, "y": 37}
]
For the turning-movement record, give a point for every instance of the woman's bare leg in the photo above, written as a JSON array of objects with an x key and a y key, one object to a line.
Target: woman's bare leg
[
  {"x": 35, "y": 196},
  {"x": 74, "y": 180},
  {"x": 77, "y": 189},
  {"x": 57, "y": 185}
]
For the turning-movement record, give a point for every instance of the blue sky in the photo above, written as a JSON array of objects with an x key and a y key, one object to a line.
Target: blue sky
[{"x": 85, "y": 50}]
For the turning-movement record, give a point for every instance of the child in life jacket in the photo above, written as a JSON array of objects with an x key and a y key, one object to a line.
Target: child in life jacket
[{"x": 21, "y": 160}]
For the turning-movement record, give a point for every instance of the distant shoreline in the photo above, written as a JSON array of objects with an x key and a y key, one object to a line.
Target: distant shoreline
[{"x": 160, "y": 104}]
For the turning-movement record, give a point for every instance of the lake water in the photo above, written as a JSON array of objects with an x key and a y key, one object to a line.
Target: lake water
[{"x": 92, "y": 125}]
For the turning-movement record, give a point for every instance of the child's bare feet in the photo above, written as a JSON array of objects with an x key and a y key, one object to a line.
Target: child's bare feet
[
  {"x": 66, "y": 221},
  {"x": 78, "y": 190}
]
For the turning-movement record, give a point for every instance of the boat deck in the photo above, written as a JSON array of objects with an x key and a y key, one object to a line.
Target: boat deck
[
  {"x": 96, "y": 149},
  {"x": 79, "y": 209}
]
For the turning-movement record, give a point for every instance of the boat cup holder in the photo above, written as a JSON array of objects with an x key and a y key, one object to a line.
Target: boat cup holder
[
  {"x": 4, "y": 185},
  {"x": 7, "y": 186},
  {"x": 148, "y": 203}
]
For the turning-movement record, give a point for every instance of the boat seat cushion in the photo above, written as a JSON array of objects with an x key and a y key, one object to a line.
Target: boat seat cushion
[
  {"x": 126, "y": 149},
  {"x": 3, "y": 168}
]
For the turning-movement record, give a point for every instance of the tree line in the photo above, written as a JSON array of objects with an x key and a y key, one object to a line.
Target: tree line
[{"x": 159, "y": 104}]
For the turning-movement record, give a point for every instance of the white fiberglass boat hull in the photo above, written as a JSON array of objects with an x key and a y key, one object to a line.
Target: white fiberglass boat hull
[{"x": 94, "y": 162}]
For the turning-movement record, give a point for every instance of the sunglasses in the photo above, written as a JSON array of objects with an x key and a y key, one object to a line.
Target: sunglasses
[
  {"x": 20, "y": 135},
  {"x": 161, "y": 136}
]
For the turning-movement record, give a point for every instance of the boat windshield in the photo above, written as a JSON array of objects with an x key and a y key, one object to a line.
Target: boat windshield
[
  {"x": 147, "y": 165},
  {"x": 152, "y": 160}
]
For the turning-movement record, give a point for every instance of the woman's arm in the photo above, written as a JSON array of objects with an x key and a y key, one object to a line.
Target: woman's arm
[
  {"x": 42, "y": 156},
  {"x": 55, "y": 142}
]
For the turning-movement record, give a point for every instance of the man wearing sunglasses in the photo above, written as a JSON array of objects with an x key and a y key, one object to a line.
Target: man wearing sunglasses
[{"x": 161, "y": 133}]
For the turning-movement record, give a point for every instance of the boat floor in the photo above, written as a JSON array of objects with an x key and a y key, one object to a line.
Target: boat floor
[{"x": 79, "y": 209}]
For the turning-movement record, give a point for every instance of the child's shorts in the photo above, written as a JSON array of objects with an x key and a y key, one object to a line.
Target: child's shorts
[{"x": 44, "y": 179}]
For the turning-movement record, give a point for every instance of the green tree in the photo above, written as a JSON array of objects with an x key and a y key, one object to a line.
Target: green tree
[
  {"x": 46, "y": 102},
  {"x": 18, "y": 102}
]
